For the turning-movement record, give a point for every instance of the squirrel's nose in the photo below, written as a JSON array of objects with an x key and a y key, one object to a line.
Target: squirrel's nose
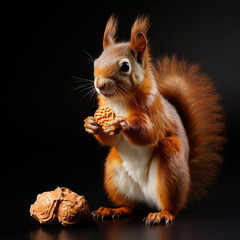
[
  {"x": 100, "y": 83},
  {"x": 101, "y": 86}
]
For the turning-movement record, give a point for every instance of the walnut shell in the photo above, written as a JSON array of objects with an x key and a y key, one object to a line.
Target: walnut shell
[
  {"x": 61, "y": 205},
  {"x": 73, "y": 208},
  {"x": 44, "y": 209},
  {"x": 104, "y": 116}
]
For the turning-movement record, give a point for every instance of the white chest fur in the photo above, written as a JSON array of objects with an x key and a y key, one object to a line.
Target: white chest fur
[
  {"x": 135, "y": 178},
  {"x": 119, "y": 108}
]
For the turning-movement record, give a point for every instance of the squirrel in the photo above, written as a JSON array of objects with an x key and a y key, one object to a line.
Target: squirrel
[{"x": 166, "y": 138}]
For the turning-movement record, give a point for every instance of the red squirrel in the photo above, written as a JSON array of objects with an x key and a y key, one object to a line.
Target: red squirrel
[{"x": 165, "y": 140}]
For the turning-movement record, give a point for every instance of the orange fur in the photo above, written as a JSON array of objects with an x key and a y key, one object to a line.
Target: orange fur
[
  {"x": 141, "y": 25},
  {"x": 112, "y": 191},
  {"x": 106, "y": 139},
  {"x": 110, "y": 31},
  {"x": 196, "y": 102},
  {"x": 170, "y": 145},
  {"x": 173, "y": 184},
  {"x": 113, "y": 212},
  {"x": 151, "y": 121}
]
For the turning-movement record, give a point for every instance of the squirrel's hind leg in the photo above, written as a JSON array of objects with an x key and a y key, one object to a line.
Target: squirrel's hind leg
[{"x": 173, "y": 185}]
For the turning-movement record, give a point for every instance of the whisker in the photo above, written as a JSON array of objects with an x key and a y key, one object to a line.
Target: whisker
[
  {"x": 119, "y": 91},
  {"x": 126, "y": 91},
  {"x": 93, "y": 95},
  {"x": 86, "y": 89},
  {"x": 81, "y": 82},
  {"x": 88, "y": 94},
  {"x": 90, "y": 58},
  {"x": 82, "y": 79},
  {"x": 82, "y": 87},
  {"x": 133, "y": 98}
]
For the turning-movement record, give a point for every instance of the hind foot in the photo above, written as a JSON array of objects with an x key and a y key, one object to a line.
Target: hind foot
[{"x": 158, "y": 217}]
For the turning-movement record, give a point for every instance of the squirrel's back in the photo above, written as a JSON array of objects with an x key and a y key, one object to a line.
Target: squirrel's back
[{"x": 194, "y": 97}]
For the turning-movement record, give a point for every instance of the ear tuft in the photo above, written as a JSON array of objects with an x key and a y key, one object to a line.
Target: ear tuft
[
  {"x": 110, "y": 31},
  {"x": 138, "y": 40}
]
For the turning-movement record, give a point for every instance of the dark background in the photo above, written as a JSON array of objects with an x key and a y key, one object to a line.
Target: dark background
[{"x": 44, "y": 144}]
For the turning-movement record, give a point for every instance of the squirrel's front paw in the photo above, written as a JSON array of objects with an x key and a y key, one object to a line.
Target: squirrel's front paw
[
  {"x": 120, "y": 123},
  {"x": 91, "y": 126}
]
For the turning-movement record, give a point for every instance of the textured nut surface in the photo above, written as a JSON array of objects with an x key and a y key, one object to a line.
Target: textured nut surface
[
  {"x": 104, "y": 116},
  {"x": 61, "y": 205},
  {"x": 73, "y": 208},
  {"x": 45, "y": 208}
]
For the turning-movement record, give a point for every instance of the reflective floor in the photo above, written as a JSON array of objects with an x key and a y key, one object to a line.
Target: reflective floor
[
  {"x": 216, "y": 217},
  {"x": 190, "y": 224}
]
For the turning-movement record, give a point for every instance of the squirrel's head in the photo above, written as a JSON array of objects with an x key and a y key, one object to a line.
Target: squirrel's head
[{"x": 121, "y": 67}]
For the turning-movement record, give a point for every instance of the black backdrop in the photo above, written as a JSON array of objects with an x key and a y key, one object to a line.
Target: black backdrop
[{"x": 44, "y": 144}]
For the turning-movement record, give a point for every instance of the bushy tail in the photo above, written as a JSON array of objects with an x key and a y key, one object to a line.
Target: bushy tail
[{"x": 196, "y": 101}]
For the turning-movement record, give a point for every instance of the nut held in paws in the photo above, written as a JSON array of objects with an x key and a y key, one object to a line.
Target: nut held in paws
[
  {"x": 60, "y": 206},
  {"x": 104, "y": 116}
]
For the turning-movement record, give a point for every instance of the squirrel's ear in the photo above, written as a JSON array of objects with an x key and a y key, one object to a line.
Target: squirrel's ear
[
  {"x": 110, "y": 31},
  {"x": 138, "y": 46},
  {"x": 138, "y": 41}
]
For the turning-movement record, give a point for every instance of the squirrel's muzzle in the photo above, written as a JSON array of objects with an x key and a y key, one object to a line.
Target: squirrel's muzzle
[{"x": 104, "y": 86}]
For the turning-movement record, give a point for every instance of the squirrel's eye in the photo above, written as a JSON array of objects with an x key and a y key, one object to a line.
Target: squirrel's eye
[{"x": 124, "y": 67}]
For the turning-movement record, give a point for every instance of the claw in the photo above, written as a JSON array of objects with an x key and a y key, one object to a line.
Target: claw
[
  {"x": 119, "y": 215},
  {"x": 157, "y": 218},
  {"x": 146, "y": 223},
  {"x": 110, "y": 213}
]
